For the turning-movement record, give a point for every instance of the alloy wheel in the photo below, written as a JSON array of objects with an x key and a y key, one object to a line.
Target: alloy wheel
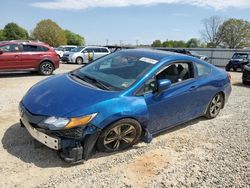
[
  {"x": 120, "y": 137},
  {"x": 47, "y": 68},
  {"x": 216, "y": 105}
]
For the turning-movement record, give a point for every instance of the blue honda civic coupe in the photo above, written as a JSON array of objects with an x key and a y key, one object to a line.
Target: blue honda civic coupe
[{"x": 120, "y": 99}]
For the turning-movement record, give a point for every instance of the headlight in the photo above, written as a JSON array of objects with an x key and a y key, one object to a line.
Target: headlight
[{"x": 57, "y": 123}]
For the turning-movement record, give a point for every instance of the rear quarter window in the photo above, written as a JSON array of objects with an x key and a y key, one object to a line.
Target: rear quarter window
[{"x": 203, "y": 70}]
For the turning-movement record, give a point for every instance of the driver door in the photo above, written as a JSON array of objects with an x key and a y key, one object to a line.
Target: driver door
[{"x": 176, "y": 104}]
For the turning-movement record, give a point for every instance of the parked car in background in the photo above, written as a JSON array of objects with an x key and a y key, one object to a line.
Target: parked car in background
[
  {"x": 28, "y": 55},
  {"x": 238, "y": 61},
  {"x": 121, "y": 98},
  {"x": 114, "y": 48},
  {"x": 80, "y": 54},
  {"x": 246, "y": 74},
  {"x": 195, "y": 54},
  {"x": 186, "y": 52},
  {"x": 62, "y": 49}
]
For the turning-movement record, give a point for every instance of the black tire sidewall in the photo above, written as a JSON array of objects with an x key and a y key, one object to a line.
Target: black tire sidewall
[{"x": 134, "y": 123}]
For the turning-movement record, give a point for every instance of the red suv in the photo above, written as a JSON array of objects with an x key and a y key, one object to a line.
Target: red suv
[{"x": 28, "y": 55}]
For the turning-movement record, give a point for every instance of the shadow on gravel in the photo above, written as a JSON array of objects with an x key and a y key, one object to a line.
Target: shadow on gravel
[
  {"x": 181, "y": 126},
  {"x": 17, "y": 74},
  {"x": 241, "y": 85},
  {"x": 169, "y": 130},
  {"x": 20, "y": 144}
]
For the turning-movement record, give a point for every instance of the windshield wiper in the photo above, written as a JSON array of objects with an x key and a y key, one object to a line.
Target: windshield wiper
[{"x": 100, "y": 83}]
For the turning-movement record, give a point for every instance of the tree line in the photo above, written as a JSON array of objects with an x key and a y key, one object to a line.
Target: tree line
[
  {"x": 46, "y": 31},
  {"x": 230, "y": 33}
]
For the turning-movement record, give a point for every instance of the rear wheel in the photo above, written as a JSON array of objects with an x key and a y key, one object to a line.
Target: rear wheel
[
  {"x": 119, "y": 135},
  {"x": 46, "y": 68},
  {"x": 215, "y": 106},
  {"x": 79, "y": 60}
]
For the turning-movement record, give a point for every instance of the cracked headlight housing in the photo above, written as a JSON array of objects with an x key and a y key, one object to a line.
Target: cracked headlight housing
[{"x": 58, "y": 123}]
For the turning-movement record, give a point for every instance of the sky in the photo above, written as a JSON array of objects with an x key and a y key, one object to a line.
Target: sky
[{"x": 124, "y": 21}]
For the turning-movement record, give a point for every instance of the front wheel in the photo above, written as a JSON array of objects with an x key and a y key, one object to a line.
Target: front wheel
[
  {"x": 215, "y": 106},
  {"x": 79, "y": 60},
  {"x": 46, "y": 68},
  {"x": 119, "y": 135}
]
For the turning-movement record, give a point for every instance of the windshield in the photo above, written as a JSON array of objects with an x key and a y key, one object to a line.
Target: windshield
[
  {"x": 117, "y": 71},
  {"x": 78, "y": 49},
  {"x": 240, "y": 56},
  {"x": 59, "y": 49}
]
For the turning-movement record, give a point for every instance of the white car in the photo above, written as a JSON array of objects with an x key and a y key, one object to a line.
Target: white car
[
  {"x": 62, "y": 49},
  {"x": 80, "y": 54}
]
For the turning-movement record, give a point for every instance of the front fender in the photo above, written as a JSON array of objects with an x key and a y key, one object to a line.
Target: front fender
[{"x": 119, "y": 108}]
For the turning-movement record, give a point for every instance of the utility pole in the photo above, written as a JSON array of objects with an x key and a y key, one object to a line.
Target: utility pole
[
  {"x": 120, "y": 41},
  {"x": 107, "y": 42},
  {"x": 137, "y": 43}
]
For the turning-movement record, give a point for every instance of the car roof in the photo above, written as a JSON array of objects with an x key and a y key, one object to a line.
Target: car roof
[
  {"x": 154, "y": 54},
  {"x": 38, "y": 43}
]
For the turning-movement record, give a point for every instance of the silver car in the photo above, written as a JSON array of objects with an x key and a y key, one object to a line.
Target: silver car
[{"x": 81, "y": 54}]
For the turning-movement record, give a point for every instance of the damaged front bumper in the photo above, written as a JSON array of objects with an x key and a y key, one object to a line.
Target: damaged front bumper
[
  {"x": 73, "y": 145},
  {"x": 71, "y": 149}
]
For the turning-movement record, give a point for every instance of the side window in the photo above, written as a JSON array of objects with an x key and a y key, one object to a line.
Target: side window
[
  {"x": 97, "y": 50},
  {"x": 30, "y": 48},
  {"x": 203, "y": 70},
  {"x": 44, "y": 49},
  {"x": 150, "y": 85},
  {"x": 10, "y": 48},
  {"x": 89, "y": 50},
  {"x": 177, "y": 72},
  {"x": 104, "y": 50}
]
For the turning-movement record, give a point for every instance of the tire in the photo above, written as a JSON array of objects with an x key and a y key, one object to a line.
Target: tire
[
  {"x": 227, "y": 67},
  {"x": 120, "y": 135},
  {"x": 235, "y": 69},
  {"x": 215, "y": 105},
  {"x": 245, "y": 82},
  {"x": 46, "y": 68},
  {"x": 79, "y": 60}
]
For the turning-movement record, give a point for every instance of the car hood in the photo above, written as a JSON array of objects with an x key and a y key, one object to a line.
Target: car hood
[{"x": 60, "y": 95}]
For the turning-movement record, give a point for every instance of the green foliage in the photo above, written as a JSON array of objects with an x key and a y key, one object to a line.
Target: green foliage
[
  {"x": 193, "y": 43},
  {"x": 174, "y": 44},
  {"x": 1, "y": 35},
  {"x": 74, "y": 39},
  {"x": 49, "y": 32},
  {"x": 235, "y": 33},
  {"x": 157, "y": 43},
  {"x": 12, "y": 31}
]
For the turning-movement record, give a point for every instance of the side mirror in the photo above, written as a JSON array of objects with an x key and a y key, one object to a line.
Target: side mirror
[
  {"x": 1, "y": 52},
  {"x": 163, "y": 85}
]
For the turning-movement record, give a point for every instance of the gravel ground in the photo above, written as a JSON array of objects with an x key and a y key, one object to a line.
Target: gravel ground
[{"x": 200, "y": 153}]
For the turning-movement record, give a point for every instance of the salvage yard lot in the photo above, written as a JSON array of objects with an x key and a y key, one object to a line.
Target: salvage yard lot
[{"x": 200, "y": 153}]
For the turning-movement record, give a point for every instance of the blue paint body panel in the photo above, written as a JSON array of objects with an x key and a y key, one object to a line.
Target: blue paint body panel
[{"x": 62, "y": 96}]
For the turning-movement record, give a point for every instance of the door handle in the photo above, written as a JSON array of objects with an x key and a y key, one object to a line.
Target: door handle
[
  {"x": 16, "y": 56},
  {"x": 192, "y": 88}
]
